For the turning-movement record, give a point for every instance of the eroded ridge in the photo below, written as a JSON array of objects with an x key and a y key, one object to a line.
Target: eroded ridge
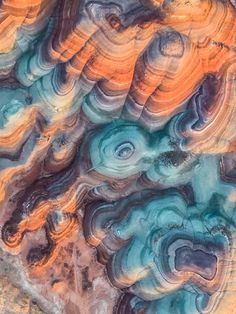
[{"x": 117, "y": 153}]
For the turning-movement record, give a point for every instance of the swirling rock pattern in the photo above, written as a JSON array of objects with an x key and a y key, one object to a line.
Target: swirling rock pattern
[
  {"x": 117, "y": 154},
  {"x": 161, "y": 246}
]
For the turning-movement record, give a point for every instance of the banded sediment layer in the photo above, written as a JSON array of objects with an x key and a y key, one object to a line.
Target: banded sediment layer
[{"x": 117, "y": 154}]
